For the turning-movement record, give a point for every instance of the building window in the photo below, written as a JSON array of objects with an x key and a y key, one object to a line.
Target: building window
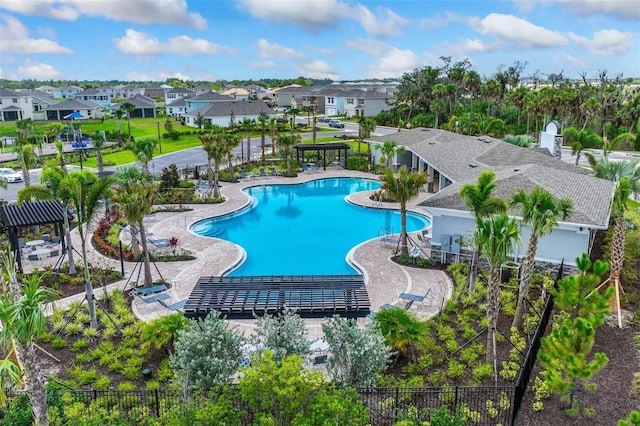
[
  {"x": 330, "y": 100},
  {"x": 15, "y": 100},
  {"x": 349, "y": 101}
]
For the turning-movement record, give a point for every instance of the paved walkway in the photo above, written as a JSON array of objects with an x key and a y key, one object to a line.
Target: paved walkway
[{"x": 385, "y": 280}]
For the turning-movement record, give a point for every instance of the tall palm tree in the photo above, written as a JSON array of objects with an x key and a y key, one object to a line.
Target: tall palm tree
[
  {"x": 134, "y": 195},
  {"x": 479, "y": 200},
  {"x": 143, "y": 149},
  {"x": 216, "y": 152},
  {"x": 119, "y": 113},
  {"x": 286, "y": 141},
  {"x": 230, "y": 141},
  {"x": 85, "y": 192},
  {"x": 52, "y": 131},
  {"x": 27, "y": 158},
  {"x": 541, "y": 211},
  {"x": 496, "y": 235},
  {"x": 388, "y": 151},
  {"x": 98, "y": 143},
  {"x": 273, "y": 126},
  {"x": 403, "y": 187},
  {"x": 263, "y": 119},
  {"x": 51, "y": 180},
  {"x": 368, "y": 126},
  {"x": 437, "y": 106},
  {"x": 247, "y": 125},
  {"x": 60, "y": 154},
  {"x": 580, "y": 140},
  {"x": 128, "y": 107},
  {"x": 22, "y": 315}
]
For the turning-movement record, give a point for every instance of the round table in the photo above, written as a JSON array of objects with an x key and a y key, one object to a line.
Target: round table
[
  {"x": 34, "y": 243},
  {"x": 41, "y": 251}
]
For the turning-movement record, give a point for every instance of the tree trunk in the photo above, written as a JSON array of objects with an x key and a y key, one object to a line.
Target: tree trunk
[
  {"x": 493, "y": 308},
  {"x": 216, "y": 190},
  {"x": 148, "y": 279},
  {"x": 135, "y": 246},
  {"x": 88, "y": 287},
  {"x": 404, "y": 249},
  {"x": 525, "y": 280},
  {"x": 67, "y": 236},
  {"x": 34, "y": 382},
  {"x": 617, "y": 256},
  {"x": 249, "y": 148}
]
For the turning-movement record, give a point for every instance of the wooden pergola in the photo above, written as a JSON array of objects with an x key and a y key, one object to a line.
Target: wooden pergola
[
  {"x": 311, "y": 296},
  {"x": 341, "y": 147},
  {"x": 31, "y": 213}
]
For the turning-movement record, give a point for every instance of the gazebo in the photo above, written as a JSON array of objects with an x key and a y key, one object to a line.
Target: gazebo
[
  {"x": 31, "y": 213},
  {"x": 324, "y": 147}
]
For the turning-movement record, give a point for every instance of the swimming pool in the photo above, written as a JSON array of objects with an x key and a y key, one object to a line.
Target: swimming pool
[{"x": 304, "y": 228}]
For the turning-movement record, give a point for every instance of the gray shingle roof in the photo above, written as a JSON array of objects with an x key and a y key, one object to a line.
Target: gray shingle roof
[
  {"x": 181, "y": 102},
  {"x": 139, "y": 101},
  {"x": 224, "y": 109},
  {"x": 180, "y": 90},
  {"x": 211, "y": 96},
  {"x": 9, "y": 93},
  {"x": 73, "y": 104}
]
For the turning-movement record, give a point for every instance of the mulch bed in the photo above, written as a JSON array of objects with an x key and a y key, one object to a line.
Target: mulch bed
[{"x": 613, "y": 400}]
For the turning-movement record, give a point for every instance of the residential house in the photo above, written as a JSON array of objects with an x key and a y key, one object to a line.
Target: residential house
[
  {"x": 129, "y": 91},
  {"x": 366, "y": 103},
  {"x": 178, "y": 93},
  {"x": 177, "y": 108},
  {"x": 154, "y": 92},
  {"x": 302, "y": 96},
  {"x": 94, "y": 95},
  {"x": 452, "y": 159},
  {"x": 110, "y": 91},
  {"x": 205, "y": 99},
  {"x": 334, "y": 101},
  {"x": 203, "y": 88},
  {"x": 88, "y": 109},
  {"x": 15, "y": 105},
  {"x": 46, "y": 89},
  {"x": 40, "y": 100},
  {"x": 144, "y": 107},
  {"x": 220, "y": 113},
  {"x": 66, "y": 92},
  {"x": 237, "y": 93}
]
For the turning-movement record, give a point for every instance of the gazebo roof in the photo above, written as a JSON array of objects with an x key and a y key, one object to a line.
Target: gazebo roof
[
  {"x": 31, "y": 213},
  {"x": 321, "y": 146}
]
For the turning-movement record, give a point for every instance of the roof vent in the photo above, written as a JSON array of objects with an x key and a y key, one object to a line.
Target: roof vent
[
  {"x": 432, "y": 143},
  {"x": 474, "y": 165},
  {"x": 516, "y": 170},
  {"x": 487, "y": 140}
]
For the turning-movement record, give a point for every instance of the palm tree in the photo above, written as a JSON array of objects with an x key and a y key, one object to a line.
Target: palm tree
[
  {"x": 52, "y": 131},
  {"x": 437, "y": 106},
  {"x": 496, "y": 236},
  {"x": 401, "y": 329},
  {"x": 368, "y": 126},
  {"x": 230, "y": 141},
  {"x": 216, "y": 151},
  {"x": 479, "y": 200},
  {"x": 98, "y": 143},
  {"x": 128, "y": 107},
  {"x": 286, "y": 141},
  {"x": 309, "y": 109},
  {"x": 60, "y": 154},
  {"x": 273, "y": 125},
  {"x": 27, "y": 158},
  {"x": 85, "y": 191},
  {"x": 580, "y": 140},
  {"x": 403, "y": 187},
  {"x": 161, "y": 333},
  {"x": 541, "y": 211},
  {"x": 247, "y": 125},
  {"x": 143, "y": 149},
  {"x": 51, "y": 179},
  {"x": 388, "y": 151},
  {"x": 134, "y": 195},
  {"x": 263, "y": 119},
  {"x": 22, "y": 315},
  {"x": 119, "y": 113}
]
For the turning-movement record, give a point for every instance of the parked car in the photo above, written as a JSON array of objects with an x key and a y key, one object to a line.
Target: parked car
[
  {"x": 336, "y": 123},
  {"x": 10, "y": 175},
  {"x": 280, "y": 109},
  {"x": 324, "y": 119}
]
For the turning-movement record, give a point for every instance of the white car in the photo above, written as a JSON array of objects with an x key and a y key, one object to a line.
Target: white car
[{"x": 10, "y": 175}]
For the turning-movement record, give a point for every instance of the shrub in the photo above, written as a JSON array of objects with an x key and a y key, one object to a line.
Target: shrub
[
  {"x": 59, "y": 343},
  {"x": 80, "y": 345}
]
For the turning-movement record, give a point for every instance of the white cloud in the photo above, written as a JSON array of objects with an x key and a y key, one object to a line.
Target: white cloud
[
  {"x": 159, "y": 76},
  {"x": 15, "y": 38},
  {"x": 389, "y": 24},
  {"x": 606, "y": 42},
  {"x": 137, "y": 43},
  {"x": 394, "y": 63},
  {"x": 7, "y": 76},
  {"x": 264, "y": 65},
  {"x": 624, "y": 9},
  {"x": 39, "y": 71},
  {"x": 439, "y": 21},
  {"x": 137, "y": 11},
  {"x": 575, "y": 61},
  {"x": 368, "y": 46},
  {"x": 271, "y": 50},
  {"x": 314, "y": 16},
  {"x": 466, "y": 47},
  {"x": 317, "y": 69},
  {"x": 517, "y": 30}
]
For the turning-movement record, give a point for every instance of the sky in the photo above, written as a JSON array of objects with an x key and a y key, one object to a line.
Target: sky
[{"x": 209, "y": 40}]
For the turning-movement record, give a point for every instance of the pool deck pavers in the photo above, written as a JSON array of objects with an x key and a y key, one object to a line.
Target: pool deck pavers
[{"x": 385, "y": 280}]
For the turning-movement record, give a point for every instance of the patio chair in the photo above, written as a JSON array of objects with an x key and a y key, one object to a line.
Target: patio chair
[
  {"x": 304, "y": 167},
  {"x": 274, "y": 172},
  {"x": 54, "y": 253},
  {"x": 262, "y": 172},
  {"x": 159, "y": 242},
  {"x": 243, "y": 175},
  {"x": 46, "y": 238},
  {"x": 33, "y": 257},
  {"x": 55, "y": 240}
]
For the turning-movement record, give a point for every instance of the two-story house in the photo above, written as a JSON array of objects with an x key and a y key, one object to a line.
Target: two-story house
[
  {"x": 66, "y": 92},
  {"x": 40, "y": 101},
  {"x": 365, "y": 103},
  {"x": 205, "y": 99},
  {"x": 173, "y": 95},
  {"x": 154, "y": 92},
  {"x": 94, "y": 95},
  {"x": 15, "y": 105}
]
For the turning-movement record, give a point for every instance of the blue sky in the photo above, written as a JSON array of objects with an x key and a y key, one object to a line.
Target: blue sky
[{"x": 339, "y": 40}]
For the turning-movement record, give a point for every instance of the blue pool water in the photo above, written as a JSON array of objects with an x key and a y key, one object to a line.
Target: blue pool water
[{"x": 304, "y": 228}]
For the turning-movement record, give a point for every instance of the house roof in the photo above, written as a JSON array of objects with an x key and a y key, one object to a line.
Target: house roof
[
  {"x": 11, "y": 108},
  {"x": 36, "y": 94},
  {"x": 591, "y": 196},
  {"x": 180, "y": 90},
  {"x": 90, "y": 92},
  {"x": 211, "y": 96},
  {"x": 9, "y": 93},
  {"x": 73, "y": 104},
  {"x": 180, "y": 102},
  {"x": 139, "y": 101},
  {"x": 236, "y": 91},
  {"x": 224, "y": 109}
]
